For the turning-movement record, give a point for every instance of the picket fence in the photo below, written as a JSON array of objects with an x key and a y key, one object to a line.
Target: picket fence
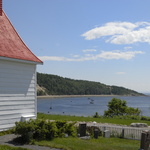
[{"x": 124, "y": 132}]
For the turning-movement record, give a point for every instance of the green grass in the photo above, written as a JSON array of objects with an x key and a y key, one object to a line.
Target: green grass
[
  {"x": 10, "y": 131},
  {"x": 92, "y": 144},
  {"x": 5, "y": 147},
  {"x": 88, "y": 119}
]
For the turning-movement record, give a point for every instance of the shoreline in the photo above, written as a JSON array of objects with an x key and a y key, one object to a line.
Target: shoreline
[{"x": 63, "y": 96}]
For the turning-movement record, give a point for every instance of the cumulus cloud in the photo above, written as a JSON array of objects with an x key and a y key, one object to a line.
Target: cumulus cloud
[
  {"x": 121, "y": 32},
  {"x": 104, "y": 55}
]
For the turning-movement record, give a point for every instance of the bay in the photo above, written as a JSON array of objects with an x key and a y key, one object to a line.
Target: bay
[{"x": 87, "y": 106}]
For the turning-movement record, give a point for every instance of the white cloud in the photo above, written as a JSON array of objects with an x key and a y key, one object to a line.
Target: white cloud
[
  {"x": 89, "y": 50},
  {"x": 126, "y": 48},
  {"x": 121, "y": 32},
  {"x": 119, "y": 55},
  {"x": 51, "y": 58},
  {"x": 75, "y": 56},
  {"x": 101, "y": 56}
]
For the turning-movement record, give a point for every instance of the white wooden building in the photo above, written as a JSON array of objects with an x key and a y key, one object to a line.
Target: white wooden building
[{"x": 18, "y": 99}]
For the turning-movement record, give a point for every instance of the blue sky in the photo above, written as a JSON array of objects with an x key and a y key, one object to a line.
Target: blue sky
[{"x": 107, "y": 41}]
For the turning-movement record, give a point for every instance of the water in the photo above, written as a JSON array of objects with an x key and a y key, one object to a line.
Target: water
[{"x": 81, "y": 106}]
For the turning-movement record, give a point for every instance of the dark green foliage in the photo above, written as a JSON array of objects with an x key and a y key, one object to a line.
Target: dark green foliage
[
  {"x": 56, "y": 85},
  {"x": 90, "y": 130},
  {"x": 118, "y": 107},
  {"x": 40, "y": 93},
  {"x": 44, "y": 130},
  {"x": 133, "y": 111},
  {"x": 145, "y": 118},
  {"x": 123, "y": 91},
  {"x": 96, "y": 115}
]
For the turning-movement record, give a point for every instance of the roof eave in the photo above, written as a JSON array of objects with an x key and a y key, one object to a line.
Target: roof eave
[{"x": 21, "y": 60}]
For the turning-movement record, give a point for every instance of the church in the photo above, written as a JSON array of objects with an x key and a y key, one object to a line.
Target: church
[{"x": 18, "y": 98}]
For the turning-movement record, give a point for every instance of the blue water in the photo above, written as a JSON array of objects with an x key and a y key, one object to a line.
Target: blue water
[{"x": 80, "y": 106}]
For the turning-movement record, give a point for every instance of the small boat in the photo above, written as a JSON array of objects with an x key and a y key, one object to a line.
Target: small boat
[{"x": 91, "y": 102}]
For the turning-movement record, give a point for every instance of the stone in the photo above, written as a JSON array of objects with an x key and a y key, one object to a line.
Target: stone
[
  {"x": 106, "y": 134},
  {"x": 141, "y": 125}
]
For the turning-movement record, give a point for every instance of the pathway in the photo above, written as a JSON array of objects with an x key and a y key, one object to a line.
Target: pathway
[{"x": 8, "y": 140}]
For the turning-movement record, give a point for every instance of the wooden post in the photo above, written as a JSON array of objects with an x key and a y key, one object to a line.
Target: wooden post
[
  {"x": 96, "y": 133},
  {"x": 145, "y": 140},
  {"x": 122, "y": 134},
  {"x": 82, "y": 129}
]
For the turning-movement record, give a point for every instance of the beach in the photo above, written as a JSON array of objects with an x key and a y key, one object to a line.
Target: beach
[{"x": 61, "y": 96}]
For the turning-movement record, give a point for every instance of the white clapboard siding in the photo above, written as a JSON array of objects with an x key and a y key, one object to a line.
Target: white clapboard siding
[
  {"x": 6, "y": 126},
  {"x": 4, "y": 98},
  {"x": 11, "y": 116},
  {"x": 17, "y": 92}
]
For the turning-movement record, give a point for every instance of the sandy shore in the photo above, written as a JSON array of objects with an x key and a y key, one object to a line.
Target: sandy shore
[{"x": 57, "y": 96}]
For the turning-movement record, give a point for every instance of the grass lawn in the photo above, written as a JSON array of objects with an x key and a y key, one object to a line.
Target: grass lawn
[
  {"x": 88, "y": 119},
  {"x": 5, "y": 147},
  {"x": 92, "y": 144}
]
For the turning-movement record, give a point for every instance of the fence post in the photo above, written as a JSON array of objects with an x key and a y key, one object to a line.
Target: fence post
[
  {"x": 145, "y": 140},
  {"x": 82, "y": 129},
  {"x": 122, "y": 134},
  {"x": 96, "y": 132}
]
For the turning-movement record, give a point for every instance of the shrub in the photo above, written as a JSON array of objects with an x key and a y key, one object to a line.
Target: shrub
[
  {"x": 90, "y": 130},
  {"x": 96, "y": 115},
  {"x": 145, "y": 118},
  {"x": 25, "y": 129},
  {"x": 44, "y": 130}
]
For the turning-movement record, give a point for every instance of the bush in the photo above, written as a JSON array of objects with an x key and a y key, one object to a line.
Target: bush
[
  {"x": 43, "y": 130},
  {"x": 118, "y": 107},
  {"x": 90, "y": 130},
  {"x": 145, "y": 118},
  {"x": 96, "y": 115}
]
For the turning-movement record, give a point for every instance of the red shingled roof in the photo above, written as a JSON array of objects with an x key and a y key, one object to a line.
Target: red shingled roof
[{"x": 11, "y": 45}]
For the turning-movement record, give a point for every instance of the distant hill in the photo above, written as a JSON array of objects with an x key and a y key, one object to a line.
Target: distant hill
[{"x": 55, "y": 85}]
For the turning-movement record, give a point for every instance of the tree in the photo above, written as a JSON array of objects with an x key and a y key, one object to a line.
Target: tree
[
  {"x": 118, "y": 107},
  {"x": 133, "y": 111}
]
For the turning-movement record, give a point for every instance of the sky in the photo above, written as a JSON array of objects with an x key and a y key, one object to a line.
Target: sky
[{"x": 106, "y": 41}]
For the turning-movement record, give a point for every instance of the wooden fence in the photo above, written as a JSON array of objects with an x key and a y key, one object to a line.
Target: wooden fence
[{"x": 124, "y": 132}]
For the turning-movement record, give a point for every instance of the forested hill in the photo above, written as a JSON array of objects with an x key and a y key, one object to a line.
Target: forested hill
[{"x": 56, "y": 85}]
